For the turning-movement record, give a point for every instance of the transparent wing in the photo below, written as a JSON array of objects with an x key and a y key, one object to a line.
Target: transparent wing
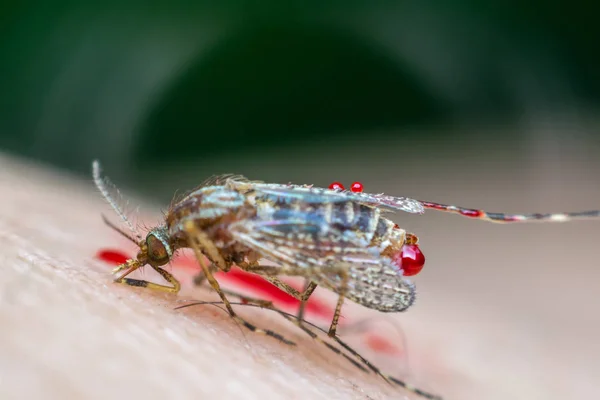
[
  {"x": 218, "y": 180},
  {"x": 322, "y": 254},
  {"x": 308, "y": 194}
]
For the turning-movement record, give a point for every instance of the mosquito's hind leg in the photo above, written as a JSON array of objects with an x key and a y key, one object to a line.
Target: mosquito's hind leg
[
  {"x": 268, "y": 271},
  {"x": 249, "y": 300},
  {"x": 369, "y": 366},
  {"x": 301, "y": 296},
  {"x": 199, "y": 241},
  {"x": 338, "y": 306},
  {"x": 386, "y": 377}
]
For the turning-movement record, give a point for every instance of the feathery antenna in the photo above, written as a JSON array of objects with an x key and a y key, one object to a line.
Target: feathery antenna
[{"x": 105, "y": 186}]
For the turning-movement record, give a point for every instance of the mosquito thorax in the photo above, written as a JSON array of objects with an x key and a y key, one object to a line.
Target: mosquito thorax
[{"x": 158, "y": 249}]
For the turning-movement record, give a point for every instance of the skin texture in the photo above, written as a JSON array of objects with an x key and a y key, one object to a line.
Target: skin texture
[
  {"x": 70, "y": 332},
  {"x": 496, "y": 317}
]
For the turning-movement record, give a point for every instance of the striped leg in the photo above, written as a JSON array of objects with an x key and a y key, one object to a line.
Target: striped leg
[
  {"x": 369, "y": 366},
  {"x": 142, "y": 283},
  {"x": 505, "y": 218},
  {"x": 198, "y": 241},
  {"x": 364, "y": 365},
  {"x": 303, "y": 296}
]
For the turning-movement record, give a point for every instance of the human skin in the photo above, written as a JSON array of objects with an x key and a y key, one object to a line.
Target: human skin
[
  {"x": 69, "y": 331},
  {"x": 509, "y": 328}
]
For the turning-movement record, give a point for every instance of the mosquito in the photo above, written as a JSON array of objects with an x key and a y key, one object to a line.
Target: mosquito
[{"x": 334, "y": 238}]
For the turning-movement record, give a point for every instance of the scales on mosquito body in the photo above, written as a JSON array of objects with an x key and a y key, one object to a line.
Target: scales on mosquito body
[{"x": 332, "y": 237}]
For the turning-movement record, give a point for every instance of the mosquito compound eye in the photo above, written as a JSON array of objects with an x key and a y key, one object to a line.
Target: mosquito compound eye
[
  {"x": 410, "y": 259},
  {"x": 157, "y": 251},
  {"x": 336, "y": 186}
]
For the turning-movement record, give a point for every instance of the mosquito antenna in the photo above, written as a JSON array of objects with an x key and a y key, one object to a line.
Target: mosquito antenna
[
  {"x": 116, "y": 228},
  {"x": 105, "y": 186}
]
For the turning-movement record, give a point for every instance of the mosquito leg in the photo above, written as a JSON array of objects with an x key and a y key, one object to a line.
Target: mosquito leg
[
  {"x": 301, "y": 296},
  {"x": 369, "y": 366},
  {"x": 120, "y": 268},
  {"x": 304, "y": 326},
  {"x": 200, "y": 277},
  {"x": 386, "y": 377},
  {"x": 249, "y": 300},
  {"x": 267, "y": 272},
  {"x": 142, "y": 283},
  {"x": 505, "y": 218},
  {"x": 198, "y": 240},
  {"x": 338, "y": 306},
  {"x": 308, "y": 291}
]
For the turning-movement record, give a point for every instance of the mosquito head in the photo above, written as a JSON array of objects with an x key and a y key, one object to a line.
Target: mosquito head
[{"x": 156, "y": 249}]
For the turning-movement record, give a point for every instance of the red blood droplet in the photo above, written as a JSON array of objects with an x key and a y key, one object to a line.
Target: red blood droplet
[
  {"x": 471, "y": 213},
  {"x": 410, "y": 259},
  {"x": 336, "y": 186},
  {"x": 115, "y": 257},
  {"x": 357, "y": 187}
]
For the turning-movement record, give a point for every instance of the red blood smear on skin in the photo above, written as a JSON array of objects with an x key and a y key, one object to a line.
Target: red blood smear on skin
[
  {"x": 271, "y": 292},
  {"x": 381, "y": 345},
  {"x": 264, "y": 288},
  {"x": 252, "y": 281},
  {"x": 115, "y": 257}
]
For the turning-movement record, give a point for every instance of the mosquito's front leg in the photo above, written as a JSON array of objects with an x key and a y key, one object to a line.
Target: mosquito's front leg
[{"x": 142, "y": 283}]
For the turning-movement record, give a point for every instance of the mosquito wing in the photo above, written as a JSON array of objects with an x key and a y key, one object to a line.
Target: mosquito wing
[
  {"x": 309, "y": 194},
  {"x": 302, "y": 245}
]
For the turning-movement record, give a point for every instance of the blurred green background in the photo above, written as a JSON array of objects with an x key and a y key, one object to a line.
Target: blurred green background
[{"x": 165, "y": 94}]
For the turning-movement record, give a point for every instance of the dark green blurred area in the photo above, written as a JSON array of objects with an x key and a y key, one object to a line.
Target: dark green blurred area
[{"x": 146, "y": 87}]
